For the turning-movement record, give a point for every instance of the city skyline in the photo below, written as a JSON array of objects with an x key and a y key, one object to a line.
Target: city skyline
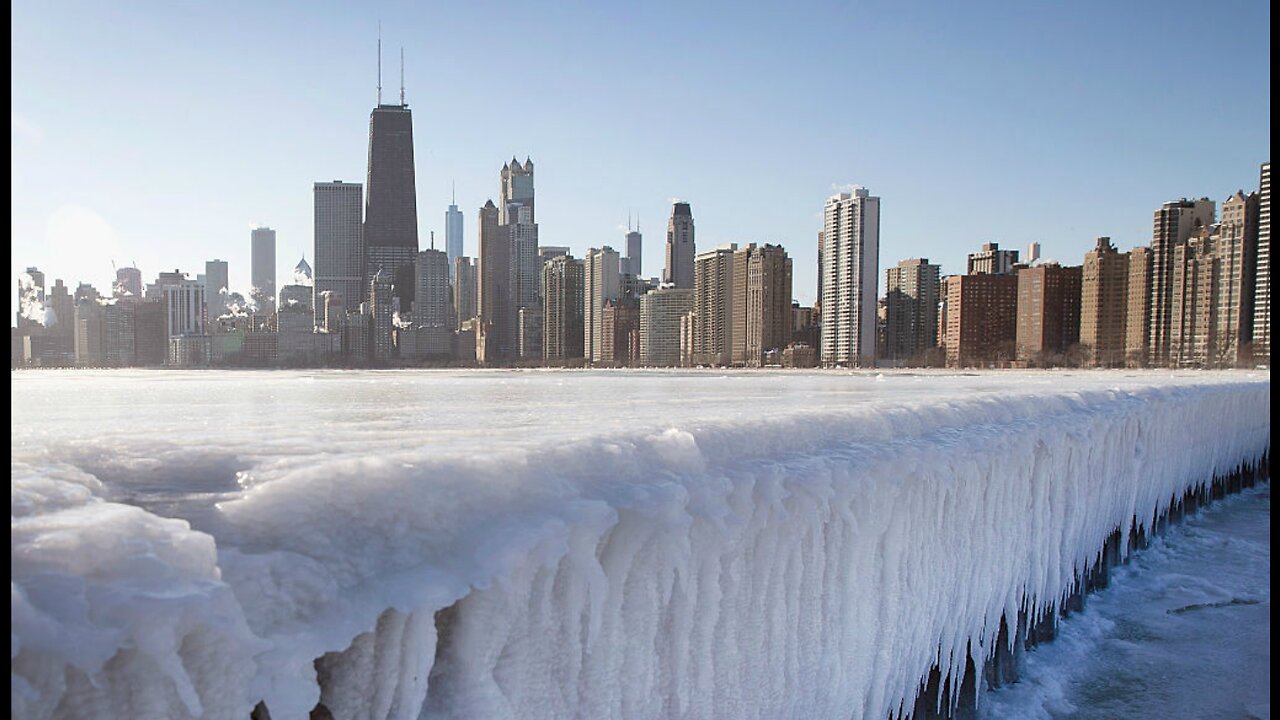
[{"x": 751, "y": 180}]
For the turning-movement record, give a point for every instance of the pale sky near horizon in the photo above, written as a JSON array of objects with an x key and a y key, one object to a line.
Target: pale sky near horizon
[{"x": 162, "y": 132}]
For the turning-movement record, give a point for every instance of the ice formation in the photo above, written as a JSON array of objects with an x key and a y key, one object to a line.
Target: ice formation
[{"x": 696, "y": 545}]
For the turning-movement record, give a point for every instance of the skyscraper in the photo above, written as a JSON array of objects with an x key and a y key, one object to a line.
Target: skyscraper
[
  {"x": 496, "y": 331},
  {"x": 600, "y": 285},
  {"x": 382, "y": 306},
  {"x": 714, "y": 313},
  {"x": 1048, "y": 320},
  {"x": 1172, "y": 225},
  {"x": 129, "y": 283},
  {"x": 1104, "y": 289},
  {"x": 263, "y": 270},
  {"x": 1137, "y": 313},
  {"x": 680, "y": 247},
  {"x": 1190, "y": 313},
  {"x": 216, "y": 290},
  {"x": 761, "y": 302},
  {"x": 991, "y": 260},
  {"x": 453, "y": 245},
  {"x": 391, "y": 205},
  {"x": 631, "y": 264},
  {"x": 981, "y": 319},
  {"x": 517, "y": 188},
  {"x": 563, "y": 334},
  {"x": 660, "y": 314},
  {"x": 464, "y": 290},
  {"x": 339, "y": 244},
  {"x": 911, "y": 298},
  {"x": 1235, "y": 243},
  {"x": 432, "y": 334},
  {"x": 849, "y": 274},
  {"x": 1262, "y": 282}
]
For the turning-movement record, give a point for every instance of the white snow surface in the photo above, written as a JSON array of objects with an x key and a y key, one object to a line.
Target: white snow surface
[{"x": 603, "y": 544}]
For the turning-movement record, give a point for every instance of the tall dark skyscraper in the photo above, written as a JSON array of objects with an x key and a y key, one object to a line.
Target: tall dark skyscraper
[
  {"x": 680, "y": 247},
  {"x": 391, "y": 207}
]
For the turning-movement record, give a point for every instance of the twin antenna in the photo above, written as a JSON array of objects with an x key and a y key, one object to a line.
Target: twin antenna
[{"x": 380, "y": 69}]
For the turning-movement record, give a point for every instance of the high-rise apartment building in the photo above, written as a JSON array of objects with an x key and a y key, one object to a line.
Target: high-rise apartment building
[
  {"x": 1262, "y": 283},
  {"x": 1137, "y": 317},
  {"x": 1235, "y": 245},
  {"x": 390, "y": 232},
  {"x": 680, "y": 247},
  {"x": 496, "y": 331},
  {"x": 713, "y": 307},
  {"x": 430, "y": 334},
  {"x": 848, "y": 275},
  {"x": 184, "y": 307},
  {"x": 600, "y": 285},
  {"x": 433, "y": 293},
  {"x": 216, "y": 288},
  {"x": 761, "y": 303},
  {"x": 88, "y": 344},
  {"x": 1104, "y": 303},
  {"x": 620, "y": 334},
  {"x": 1048, "y": 312},
  {"x": 339, "y": 243},
  {"x": 263, "y": 269},
  {"x": 1192, "y": 271},
  {"x": 464, "y": 290},
  {"x": 660, "y": 313},
  {"x": 1172, "y": 225},
  {"x": 118, "y": 333},
  {"x": 1033, "y": 252},
  {"x": 453, "y": 243},
  {"x": 981, "y": 319},
  {"x": 563, "y": 333},
  {"x": 911, "y": 305},
  {"x": 991, "y": 260},
  {"x": 524, "y": 257}
]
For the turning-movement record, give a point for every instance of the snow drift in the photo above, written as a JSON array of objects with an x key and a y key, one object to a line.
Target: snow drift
[{"x": 812, "y": 562}]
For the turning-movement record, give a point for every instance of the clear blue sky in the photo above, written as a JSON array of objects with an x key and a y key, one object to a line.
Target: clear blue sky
[{"x": 160, "y": 132}]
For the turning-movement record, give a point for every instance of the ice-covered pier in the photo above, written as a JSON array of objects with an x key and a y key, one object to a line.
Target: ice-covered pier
[{"x": 575, "y": 544}]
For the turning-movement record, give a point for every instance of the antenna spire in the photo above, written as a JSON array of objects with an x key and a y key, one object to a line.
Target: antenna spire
[
  {"x": 401, "y": 76},
  {"x": 453, "y": 194},
  {"x": 379, "y": 62},
  {"x": 433, "y": 239},
  {"x": 628, "y": 221}
]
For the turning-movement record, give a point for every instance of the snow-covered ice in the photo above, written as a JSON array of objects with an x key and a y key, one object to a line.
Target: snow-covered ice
[{"x": 568, "y": 544}]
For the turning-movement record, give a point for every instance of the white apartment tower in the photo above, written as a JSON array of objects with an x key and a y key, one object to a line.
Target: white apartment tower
[
  {"x": 1262, "y": 285},
  {"x": 848, "y": 276},
  {"x": 601, "y": 284}
]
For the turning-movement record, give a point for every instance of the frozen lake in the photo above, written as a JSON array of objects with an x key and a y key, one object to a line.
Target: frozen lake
[
  {"x": 1184, "y": 630},
  {"x": 548, "y": 543}
]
